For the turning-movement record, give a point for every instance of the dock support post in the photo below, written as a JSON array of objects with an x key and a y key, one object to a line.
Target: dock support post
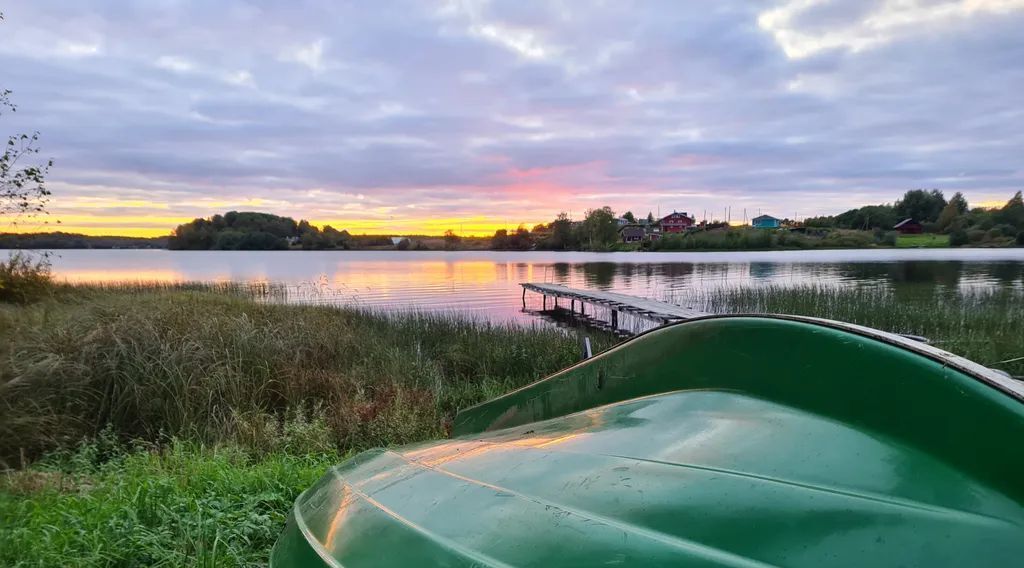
[
  {"x": 524, "y": 297},
  {"x": 572, "y": 306},
  {"x": 544, "y": 305},
  {"x": 615, "y": 319}
]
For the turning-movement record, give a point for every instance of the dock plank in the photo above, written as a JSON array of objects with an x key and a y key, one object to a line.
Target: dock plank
[{"x": 644, "y": 307}]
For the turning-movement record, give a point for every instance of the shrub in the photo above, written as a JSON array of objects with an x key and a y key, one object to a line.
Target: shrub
[
  {"x": 24, "y": 279},
  {"x": 1020, "y": 238},
  {"x": 958, "y": 237},
  {"x": 888, "y": 239},
  {"x": 1004, "y": 230},
  {"x": 976, "y": 235}
]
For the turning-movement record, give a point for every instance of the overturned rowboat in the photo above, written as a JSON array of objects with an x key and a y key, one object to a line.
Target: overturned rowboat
[{"x": 720, "y": 441}]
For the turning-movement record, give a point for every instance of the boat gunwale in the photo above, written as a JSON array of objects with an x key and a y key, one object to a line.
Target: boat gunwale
[{"x": 990, "y": 377}]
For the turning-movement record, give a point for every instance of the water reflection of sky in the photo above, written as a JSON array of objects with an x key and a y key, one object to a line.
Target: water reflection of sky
[{"x": 487, "y": 283}]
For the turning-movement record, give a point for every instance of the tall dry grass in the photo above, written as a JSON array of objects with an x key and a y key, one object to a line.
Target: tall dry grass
[{"x": 199, "y": 364}]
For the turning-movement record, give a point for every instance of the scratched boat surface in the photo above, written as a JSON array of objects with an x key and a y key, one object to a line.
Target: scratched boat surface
[{"x": 722, "y": 441}]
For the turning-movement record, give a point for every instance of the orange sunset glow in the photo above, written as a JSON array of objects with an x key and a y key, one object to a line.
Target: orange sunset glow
[{"x": 472, "y": 117}]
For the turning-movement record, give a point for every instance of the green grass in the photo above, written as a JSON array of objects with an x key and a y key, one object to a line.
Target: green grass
[
  {"x": 175, "y": 425},
  {"x": 927, "y": 240},
  {"x": 183, "y": 506}
]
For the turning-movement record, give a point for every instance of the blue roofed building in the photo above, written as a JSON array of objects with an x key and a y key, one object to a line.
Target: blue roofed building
[{"x": 766, "y": 222}]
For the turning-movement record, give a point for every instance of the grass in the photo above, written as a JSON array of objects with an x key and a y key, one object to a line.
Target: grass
[
  {"x": 175, "y": 425},
  {"x": 183, "y": 506},
  {"x": 154, "y": 363},
  {"x": 926, "y": 240},
  {"x": 202, "y": 413}
]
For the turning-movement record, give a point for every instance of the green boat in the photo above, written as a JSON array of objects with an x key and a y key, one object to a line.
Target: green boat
[{"x": 722, "y": 441}]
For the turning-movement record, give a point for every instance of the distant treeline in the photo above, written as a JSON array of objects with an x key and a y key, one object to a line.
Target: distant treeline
[
  {"x": 598, "y": 231},
  {"x": 965, "y": 225},
  {"x": 61, "y": 240},
  {"x": 249, "y": 230}
]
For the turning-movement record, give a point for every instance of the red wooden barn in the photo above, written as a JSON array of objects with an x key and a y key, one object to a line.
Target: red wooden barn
[{"x": 908, "y": 226}]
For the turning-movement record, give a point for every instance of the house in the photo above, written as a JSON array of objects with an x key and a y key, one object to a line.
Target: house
[
  {"x": 908, "y": 226},
  {"x": 766, "y": 222},
  {"x": 622, "y": 222},
  {"x": 676, "y": 222},
  {"x": 632, "y": 233}
]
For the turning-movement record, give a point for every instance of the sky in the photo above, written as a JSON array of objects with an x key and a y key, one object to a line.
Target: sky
[{"x": 419, "y": 116}]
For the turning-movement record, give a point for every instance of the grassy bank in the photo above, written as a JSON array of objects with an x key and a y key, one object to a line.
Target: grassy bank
[
  {"x": 175, "y": 425},
  {"x": 926, "y": 240},
  {"x": 216, "y": 367}
]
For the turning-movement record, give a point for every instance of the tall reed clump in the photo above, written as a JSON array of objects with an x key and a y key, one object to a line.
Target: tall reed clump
[
  {"x": 24, "y": 278},
  {"x": 156, "y": 364},
  {"x": 982, "y": 324}
]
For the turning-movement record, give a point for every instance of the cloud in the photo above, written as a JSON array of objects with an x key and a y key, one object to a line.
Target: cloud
[
  {"x": 805, "y": 27},
  {"x": 514, "y": 110},
  {"x": 311, "y": 55},
  {"x": 176, "y": 64}
]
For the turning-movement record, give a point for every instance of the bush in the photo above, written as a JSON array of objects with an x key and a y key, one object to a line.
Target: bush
[
  {"x": 1020, "y": 238},
  {"x": 24, "y": 279},
  {"x": 958, "y": 237},
  {"x": 1004, "y": 230},
  {"x": 888, "y": 239},
  {"x": 975, "y": 236}
]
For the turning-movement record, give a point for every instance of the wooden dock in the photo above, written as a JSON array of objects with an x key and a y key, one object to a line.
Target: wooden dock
[{"x": 652, "y": 310}]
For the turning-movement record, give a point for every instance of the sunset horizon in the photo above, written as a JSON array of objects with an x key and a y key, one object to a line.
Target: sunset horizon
[{"x": 476, "y": 116}]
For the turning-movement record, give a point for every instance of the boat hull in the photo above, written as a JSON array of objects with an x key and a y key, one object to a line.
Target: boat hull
[{"x": 740, "y": 441}]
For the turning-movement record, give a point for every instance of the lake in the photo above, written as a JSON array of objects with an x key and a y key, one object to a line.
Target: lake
[{"x": 486, "y": 283}]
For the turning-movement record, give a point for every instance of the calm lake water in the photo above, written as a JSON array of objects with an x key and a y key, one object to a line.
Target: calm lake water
[{"x": 486, "y": 284}]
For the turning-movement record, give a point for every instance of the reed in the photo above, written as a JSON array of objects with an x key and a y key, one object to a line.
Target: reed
[{"x": 195, "y": 363}]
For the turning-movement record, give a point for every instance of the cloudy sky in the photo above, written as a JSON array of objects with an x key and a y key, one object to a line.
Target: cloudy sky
[{"x": 420, "y": 116}]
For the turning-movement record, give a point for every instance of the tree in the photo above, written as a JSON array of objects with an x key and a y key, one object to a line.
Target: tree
[
  {"x": 960, "y": 202},
  {"x": 599, "y": 230},
  {"x": 562, "y": 237},
  {"x": 920, "y": 205},
  {"x": 451, "y": 240},
  {"x": 247, "y": 230},
  {"x": 628, "y": 215},
  {"x": 1013, "y": 212},
  {"x": 500, "y": 240},
  {"x": 650, "y": 218},
  {"x": 867, "y": 217},
  {"x": 22, "y": 186},
  {"x": 956, "y": 207},
  {"x": 335, "y": 238}
]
